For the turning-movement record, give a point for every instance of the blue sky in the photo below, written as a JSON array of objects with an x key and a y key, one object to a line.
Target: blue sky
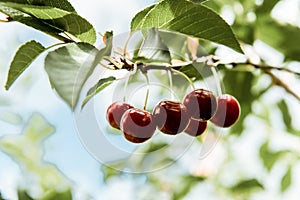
[{"x": 64, "y": 148}]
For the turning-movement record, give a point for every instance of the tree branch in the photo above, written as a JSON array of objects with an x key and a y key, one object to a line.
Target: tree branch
[
  {"x": 266, "y": 67},
  {"x": 268, "y": 70},
  {"x": 4, "y": 17},
  {"x": 279, "y": 82},
  {"x": 7, "y": 19}
]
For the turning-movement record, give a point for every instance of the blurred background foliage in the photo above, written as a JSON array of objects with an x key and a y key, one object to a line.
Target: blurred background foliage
[{"x": 258, "y": 158}]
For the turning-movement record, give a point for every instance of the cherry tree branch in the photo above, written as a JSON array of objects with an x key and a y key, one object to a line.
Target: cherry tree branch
[
  {"x": 4, "y": 17},
  {"x": 276, "y": 80},
  {"x": 279, "y": 82},
  {"x": 214, "y": 62},
  {"x": 266, "y": 67}
]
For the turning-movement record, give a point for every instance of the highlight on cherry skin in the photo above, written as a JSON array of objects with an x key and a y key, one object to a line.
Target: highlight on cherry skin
[
  {"x": 115, "y": 112},
  {"x": 171, "y": 117},
  {"x": 137, "y": 125},
  {"x": 196, "y": 127},
  {"x": 201, "y": 104},
  {"x": 228, "y": 111}
]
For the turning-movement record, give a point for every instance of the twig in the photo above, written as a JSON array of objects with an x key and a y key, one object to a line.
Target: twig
[
  {"x": 266, "y": 67},
  {"x": 279, "y": 82},
  {"x": 147, "y": 90},
  {"x": 5, "y": 17},
  {"x": 4, "y": 20},
  {"x": 126, "y": 43},
  {"x": 268, "y": 70},
  {"x": 186, "y": 77},
  {"x": 171, "y": 84}
]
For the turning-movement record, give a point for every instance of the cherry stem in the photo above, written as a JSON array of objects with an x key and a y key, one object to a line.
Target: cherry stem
[
  {"x": 186, "y": 77},
  {"x": 171, "y": 83},
  {"x": 147, "y": 90},
  {"x": 54, "y": 45},
  {"x": 125, "y": 88},
  {"x": 126, "y": 43},
  {"x": 106, "y": 66}
]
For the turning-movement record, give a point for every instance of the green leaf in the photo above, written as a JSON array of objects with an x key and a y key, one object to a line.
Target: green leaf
[
  {"x": 34, "y": 132},
  {"x": 109, "y": 172},
  {"x": 285, "y": 38},
  {"x": 137, "y": 21},
  {"x": 27, "y": 151},
  {"x": 61, "y": 4},
  {"x": 58, "y": 195},
  {"x": 10, "y": 117},
  {"x": 155, "y": 147},
  {"x": 286, "y": 180},
  {"x": 177, "y": 44},
  {"x": 245, "y": 31},
  {"x": 266, "y": 7},
  {"x": 60, "y": 20},
  {"x": 246, "y": 185},
  {"x": 286, "y": 116},
  {"x": 188, "y": 18},
  {"x": 196, "y": 71},
  {"x": 198, "y": 1},
  {"x": 33, "y": 22},
  {"x": 23, "y": 195},
  {"x": 153, "y": 49},
  {"x": 187, "y": 182},
  {"x": 269, "y": 158},
  {"x": 1, "y": 197},
  {"x": 25, "y": 55},
  {"x": 106, "y": 51},
  {"x": 69, "y": 67},
  {"x": 102, "y": 83}
]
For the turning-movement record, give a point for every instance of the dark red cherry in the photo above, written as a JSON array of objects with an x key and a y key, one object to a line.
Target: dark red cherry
[
  {"x": 137, "y": 125},
  {"x": 114, "y": 113},
  {"x": 196, "y": 127},
  {"x": 171, "y": 117},
  {"x": 228, "y": 111},
  {"x": 201, "y": 104}
]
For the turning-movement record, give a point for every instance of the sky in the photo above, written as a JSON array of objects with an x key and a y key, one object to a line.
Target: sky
[
  {"x": 64, "y": 144},
  {"x": 104, "y": 15}
]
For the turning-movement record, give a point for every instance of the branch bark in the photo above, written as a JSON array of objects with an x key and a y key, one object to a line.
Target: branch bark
[{"x": 276, "y": 80}]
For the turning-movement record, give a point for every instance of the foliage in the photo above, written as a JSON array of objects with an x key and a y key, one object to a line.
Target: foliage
[
  {"x": 167, "y": 28},
  {"x": 58, "y": 20},
  {"x": 187, "y": 18},
  {"x": 27, "y": 151},
  {"x": 23, "y": 58}
]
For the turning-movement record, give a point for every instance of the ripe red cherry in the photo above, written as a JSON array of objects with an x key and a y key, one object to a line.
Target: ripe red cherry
[
  {"x": 228, "y": 111},
  {"x": 196, "y": 127},
  {"x": 201, "y": 104},
  {"x": 171, "y": 117},
  {"x": 137, "y": 125},
  {"x": 114, "y": 113}
]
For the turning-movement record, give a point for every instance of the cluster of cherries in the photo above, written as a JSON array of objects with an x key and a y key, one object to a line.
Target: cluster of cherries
[{"x": 171, "y": 117}]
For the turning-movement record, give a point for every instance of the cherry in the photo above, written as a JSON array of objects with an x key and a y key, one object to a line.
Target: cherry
[
  {"x": 171, "y": 117},
  {"x": 137, "y": 125},
  {"x": 228, "y": 111},
  {"x": 114, "y": 113},
  {"x": 196, "y": 127},
  {"x": 201, "y": 104}
]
